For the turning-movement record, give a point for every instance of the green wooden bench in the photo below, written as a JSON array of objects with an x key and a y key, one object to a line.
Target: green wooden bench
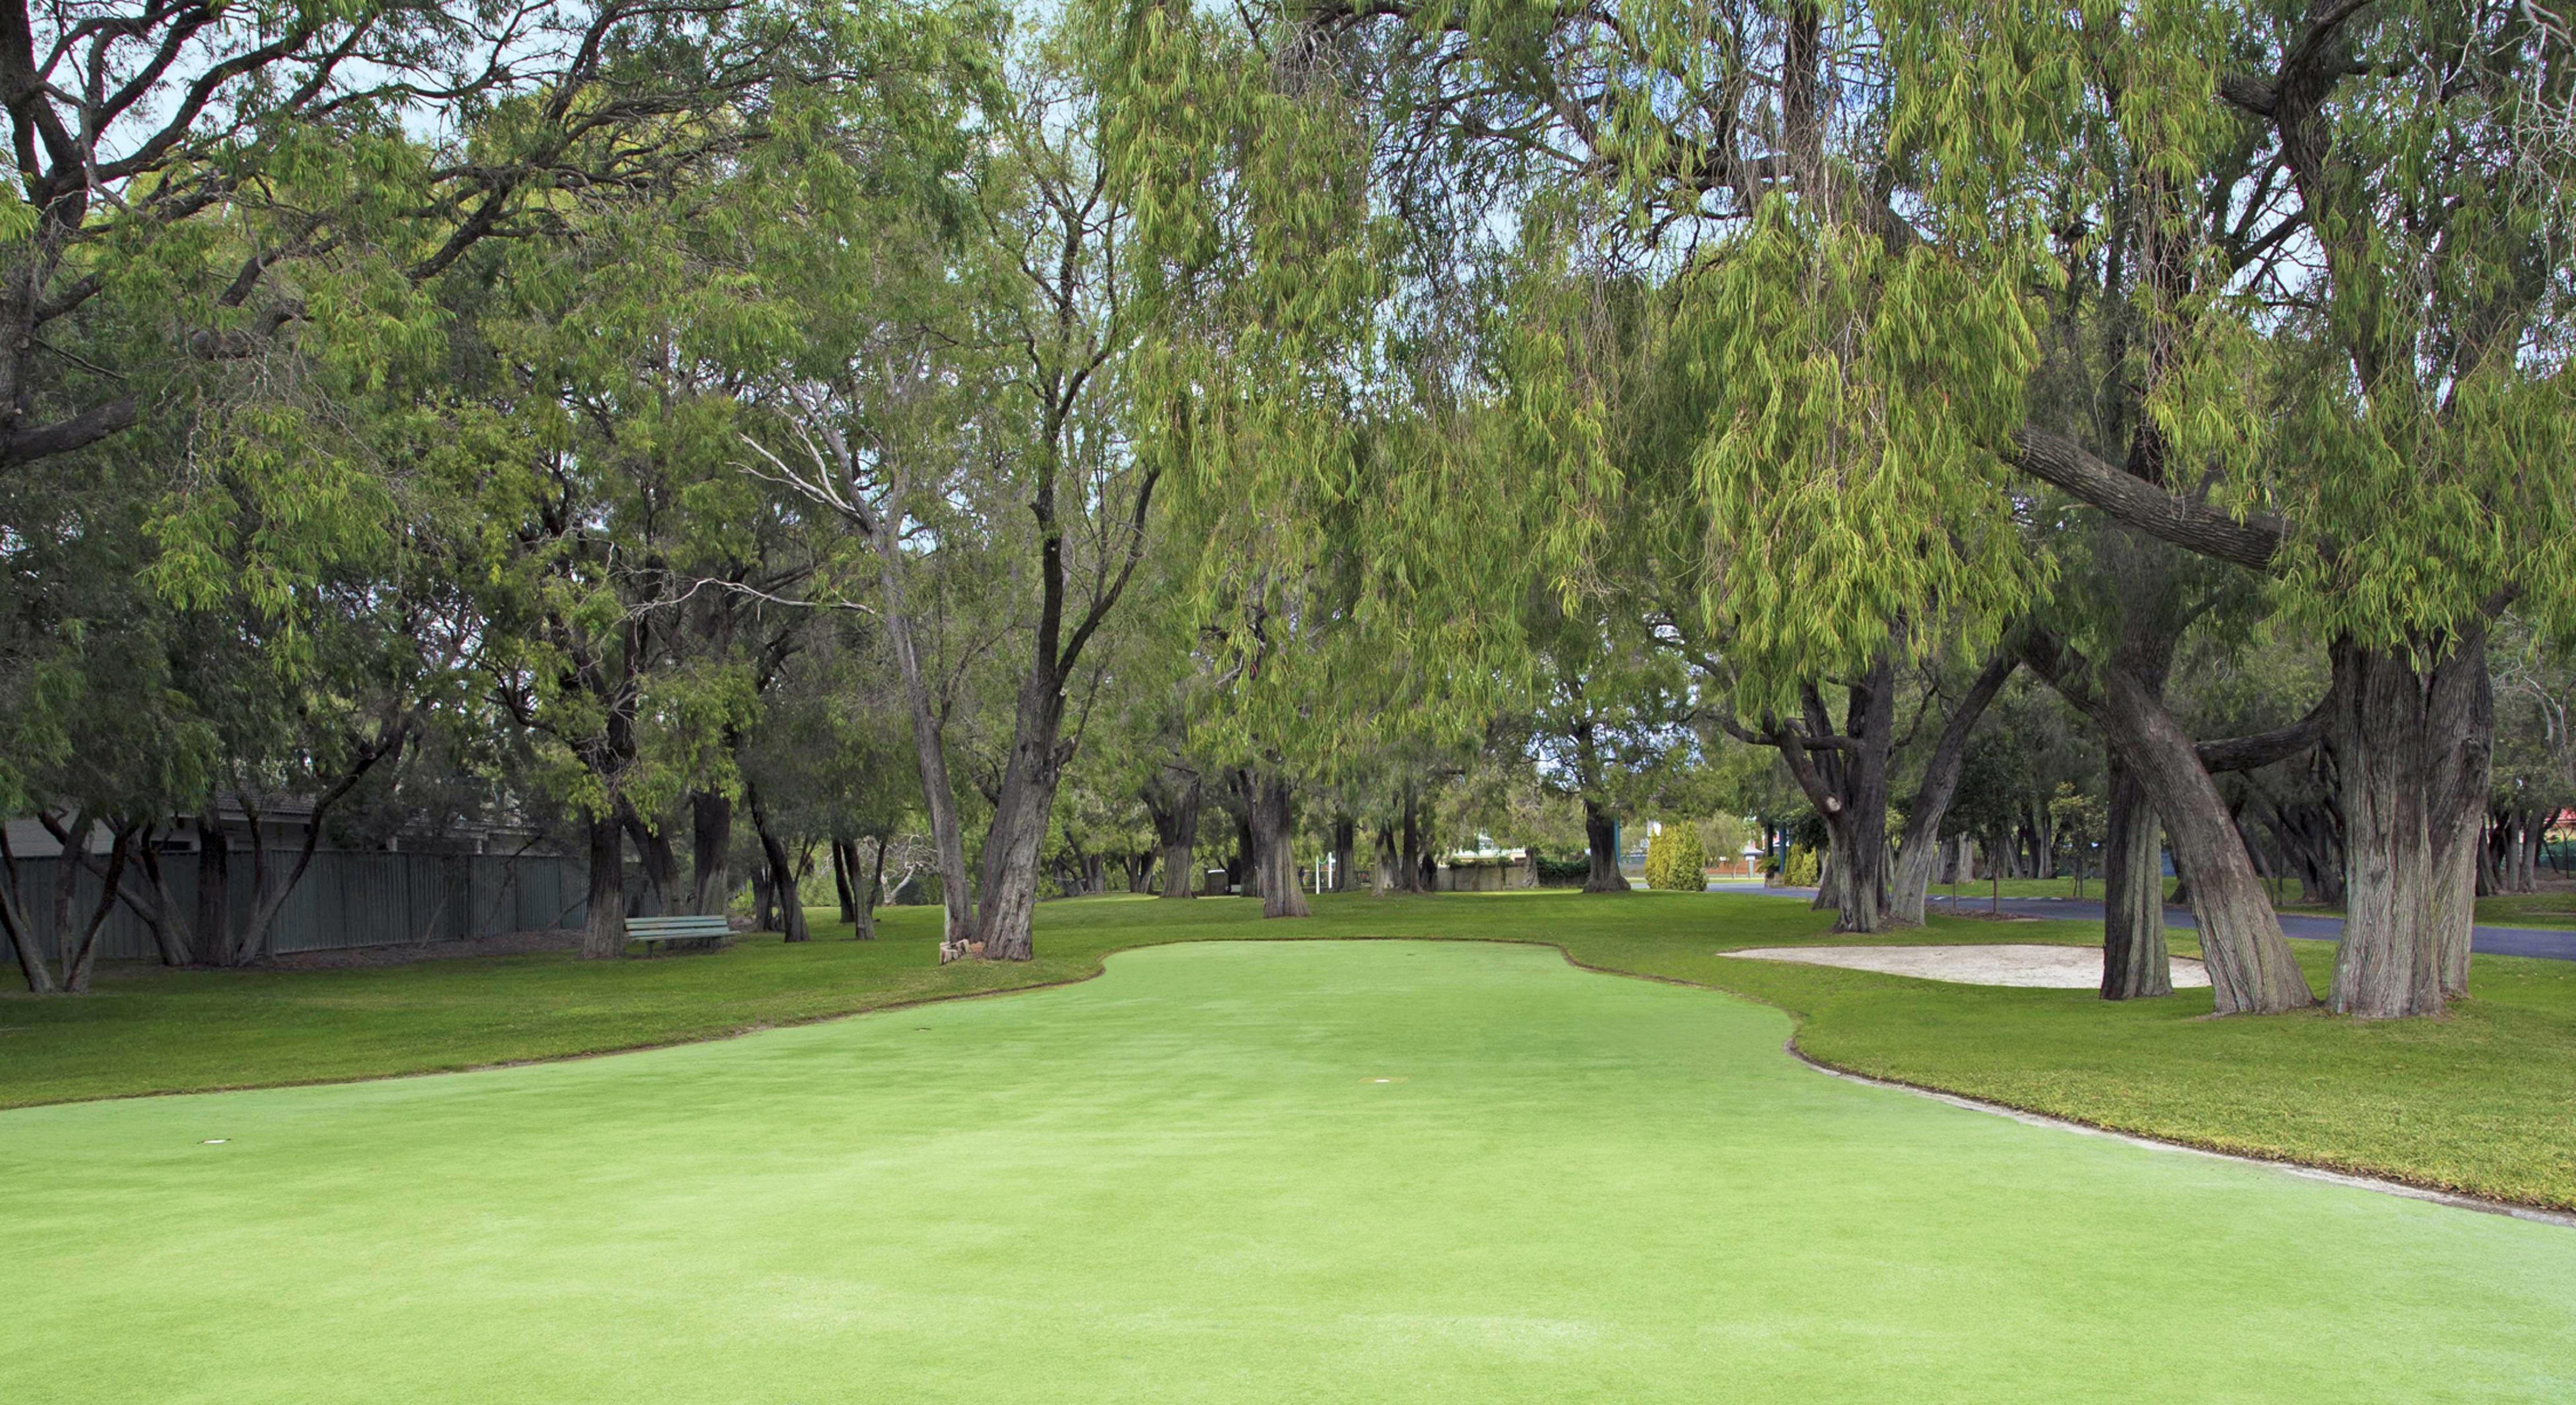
[{"x": 655, "y": 930}]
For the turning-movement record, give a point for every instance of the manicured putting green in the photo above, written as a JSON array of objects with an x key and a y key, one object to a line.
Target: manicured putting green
[{"x": 1290, "y": 1171}]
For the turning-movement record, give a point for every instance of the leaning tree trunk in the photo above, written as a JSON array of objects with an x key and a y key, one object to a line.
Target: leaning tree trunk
[
  {"x": 1267, "y": 804},
  {"x": 845, "y": 863},
  {"x": 659, "y": 864},
  {"x": 1918, "y": 849},
  {"x": 1390, "y": 861},
  {"x": 603, "y": 935},
  {"x": 1601, "y": 843},
  {"x": 783, "y": 885},
  {"x": 2137, "y": 962},
  {"x": 2251, "y": 970},
  {"x": 710, "y": 843},
  {"x": 19, "y": 919}
]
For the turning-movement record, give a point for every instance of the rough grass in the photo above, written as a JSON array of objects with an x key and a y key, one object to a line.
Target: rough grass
[
  {"x": 2481, "y": 1101},
  {"x": 2549, "y": 909}
]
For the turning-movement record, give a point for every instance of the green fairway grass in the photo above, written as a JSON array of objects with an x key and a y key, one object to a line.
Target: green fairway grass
[
  {"x": 1284, "y": 1171},
  {"x": 2482, "y": 1100}
]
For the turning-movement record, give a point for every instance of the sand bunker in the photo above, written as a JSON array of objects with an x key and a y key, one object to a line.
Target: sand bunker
[{"x": 2057, "y": 967}]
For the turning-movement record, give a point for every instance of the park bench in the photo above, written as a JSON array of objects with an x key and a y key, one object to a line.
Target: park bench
[{"x": 655, "y": 930}]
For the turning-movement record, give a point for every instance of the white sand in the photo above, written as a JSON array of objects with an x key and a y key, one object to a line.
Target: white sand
[{"x": 2057, "y": 967}]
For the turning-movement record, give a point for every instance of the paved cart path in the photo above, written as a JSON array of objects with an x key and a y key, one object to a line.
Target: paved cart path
[
  {"x": 2550, "y": 943},
  {"x": 1275, "y": 1171}
]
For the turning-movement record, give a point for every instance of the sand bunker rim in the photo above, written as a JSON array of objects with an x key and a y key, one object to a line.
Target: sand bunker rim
[{"x": 2026, "y": 965}]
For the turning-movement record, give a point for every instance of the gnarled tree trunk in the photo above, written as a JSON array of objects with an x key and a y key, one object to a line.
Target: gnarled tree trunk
[
  {"x": 1601, "y": 843},
  {"x": 2412, "y": 747},
  {"x": 1267, "y": 803},
  {"x": 1172, "y": 800}
]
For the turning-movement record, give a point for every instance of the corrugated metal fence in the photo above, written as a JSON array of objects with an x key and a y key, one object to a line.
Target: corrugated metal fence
[{"x": 345, "y": 900}]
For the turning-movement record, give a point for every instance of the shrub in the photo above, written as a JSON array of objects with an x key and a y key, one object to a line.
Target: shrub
[
  {"x": 1804, "y": 868},
  {"x": 1674, "y": 860},
  {"x": 1555, "y": 872}
]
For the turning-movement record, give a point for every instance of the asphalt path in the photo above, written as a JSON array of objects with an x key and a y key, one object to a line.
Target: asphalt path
[{"x": 2554, "y": 944}]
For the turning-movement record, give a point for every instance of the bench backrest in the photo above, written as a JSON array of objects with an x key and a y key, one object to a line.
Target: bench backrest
[{"x": 652, "y": 928}]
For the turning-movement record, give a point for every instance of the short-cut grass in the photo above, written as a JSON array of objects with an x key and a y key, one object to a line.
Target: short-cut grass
[
  {"x": 2482, "y": 1100},
  {"x": 1388, "y": 1172}
]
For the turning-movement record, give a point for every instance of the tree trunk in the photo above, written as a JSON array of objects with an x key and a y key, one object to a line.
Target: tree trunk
[
  {"x": 783, "y": 886},
  {"x": 214, "y": 890},
  {"x": 655, "y": 857},
  {"x": 1240, "y": 872},
  {"x": 1175, "y": 812},
  {"x": 2251, "y": 970},
  {"x": 1346, "y": 833},
  {"x": 2463, "y": 729},
  {"x": 80, "y": 953},
  {"x": 1409, "y": 878},
  {"x": 1601, "y": 844},
  {"x": 710, "y": 850},
  {"x": 171, "y": 933},
  {"x": 865, "y": 929},
  {"x": 603, "y": 936},
  {"x": 2250, "y": 965},
  {"x": 845, "y": 859},
  {"x": 1007, "y": 904},
  {"x": 1918, "y": 849},
  {"x": 2412, "y": 750},
  {"x": 1267, "y": 803},
  {"x": 2137, "y": 963},
  {"x": 1390, "y": 862},
  {"x": 930, "y": 755},
  {"x": 1843, "y": 774}
]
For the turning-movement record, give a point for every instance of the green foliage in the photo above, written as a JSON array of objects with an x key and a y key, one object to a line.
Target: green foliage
[
  {"x": 1802, "y": 867},
  {"x": 1674, "y": 860}
]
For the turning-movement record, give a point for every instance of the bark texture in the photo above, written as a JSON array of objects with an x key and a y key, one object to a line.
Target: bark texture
[
  {"x": 1601, "y": 843},
  {"x": 1172, "y": 801},
  {"x": 1918, "y": 847},
  {"x": 2250, "y": 966},
  {"x": 603, "y": 933},
  {"x": 710, "y": 845},
  {"x": 783, "y": 878},
  {"x": 2413, "y": 751},
  {"x": 1268, "y": 804},
  {"x": 2137, "y": 963}
]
